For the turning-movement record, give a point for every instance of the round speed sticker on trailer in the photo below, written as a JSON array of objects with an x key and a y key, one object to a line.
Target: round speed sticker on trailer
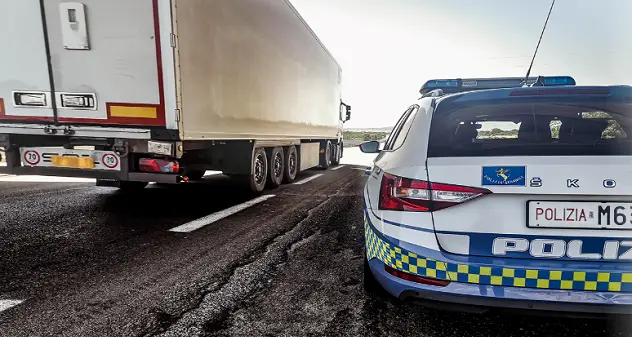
[
  {"x": 109, "y": 160},
  {"x": 32, "y": 157}
]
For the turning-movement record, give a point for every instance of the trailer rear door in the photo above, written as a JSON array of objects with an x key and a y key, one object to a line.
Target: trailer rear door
[
  {"x": 106, "y": 61},
  {"x": 25, "y": 93}
]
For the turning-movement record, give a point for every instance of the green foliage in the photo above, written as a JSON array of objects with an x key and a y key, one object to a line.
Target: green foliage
[
  {"x": 613, "y": 131},
  {"x": 497, "y": 133},
  {"x": 364, "y": 136}
]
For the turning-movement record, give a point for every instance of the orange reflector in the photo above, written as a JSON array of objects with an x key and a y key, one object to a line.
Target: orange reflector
[
  {"x": 133, "y": 111},
  {"x": 2, "y": 112}
]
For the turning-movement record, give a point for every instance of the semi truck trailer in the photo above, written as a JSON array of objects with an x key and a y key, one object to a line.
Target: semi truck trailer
[{"x": 134, "y": 92}]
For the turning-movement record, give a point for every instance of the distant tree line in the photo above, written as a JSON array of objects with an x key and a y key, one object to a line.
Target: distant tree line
[{"x": 364, "y": 135}]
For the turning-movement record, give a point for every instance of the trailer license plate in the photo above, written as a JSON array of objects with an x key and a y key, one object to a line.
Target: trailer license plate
[
  {"x": 159, "y": 148},
  {"x": 58, "y": 157},
  {"x": 580, "y": 215},
  {"x": 76, "y": 162}
]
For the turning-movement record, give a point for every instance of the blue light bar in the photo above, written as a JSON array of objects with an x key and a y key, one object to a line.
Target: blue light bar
[
  {"x": 449, "y": 86},
  {"x": 558, "y": 80},
  {"x": 441, "y": 83}
]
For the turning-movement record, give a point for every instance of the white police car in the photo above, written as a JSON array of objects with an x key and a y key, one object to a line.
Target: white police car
[{"x": 518, "y": 196}]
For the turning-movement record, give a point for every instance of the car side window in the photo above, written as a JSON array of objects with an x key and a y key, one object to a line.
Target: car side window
[
  {"x": 401, "y": 136},
  {"x": 397, "y": 129}
]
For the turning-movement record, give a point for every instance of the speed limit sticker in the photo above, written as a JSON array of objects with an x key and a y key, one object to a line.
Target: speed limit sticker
[
  {"x": 109, "y": 160},
  {"x": 31, "y": 157}
]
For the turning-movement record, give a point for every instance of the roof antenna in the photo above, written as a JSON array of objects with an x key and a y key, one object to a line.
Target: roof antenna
[{"x": 538, "y": 45}]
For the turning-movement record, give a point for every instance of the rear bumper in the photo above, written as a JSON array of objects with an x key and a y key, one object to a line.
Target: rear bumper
[
  {"x": 60, "y": 172},
  {"x": 466, "y": 295},
  {"x": 497, "y": 283},
  {"x": 95, "y": 174},
  {"x": 136, "y": 147}
]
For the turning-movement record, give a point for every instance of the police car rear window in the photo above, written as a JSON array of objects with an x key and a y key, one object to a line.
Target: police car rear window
[{"x": 531, "y": 129}]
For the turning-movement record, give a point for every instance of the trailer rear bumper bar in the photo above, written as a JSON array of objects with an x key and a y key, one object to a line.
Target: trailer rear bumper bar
[{"x": 94, "y": 174}]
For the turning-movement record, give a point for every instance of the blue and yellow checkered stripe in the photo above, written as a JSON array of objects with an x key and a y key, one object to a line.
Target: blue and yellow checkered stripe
[{"x": 411, "y": 263}]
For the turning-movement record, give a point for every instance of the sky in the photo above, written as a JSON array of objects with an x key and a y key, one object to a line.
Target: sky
[{"x": 388, "y": 48}]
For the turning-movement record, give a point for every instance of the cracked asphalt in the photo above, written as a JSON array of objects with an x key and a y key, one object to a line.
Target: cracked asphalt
[{"x": 91, "y": 261}]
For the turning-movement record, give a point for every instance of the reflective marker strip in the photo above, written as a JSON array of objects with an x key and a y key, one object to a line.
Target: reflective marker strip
[
  {"x": 133, "y": 112},
  {"x": 306, "y": 180},
  {"x": 337, "y": 167},
  {"x": 209, "y": 219},
  {"x": 6, "y": 304},
  {"x": 398, "y": 258}
]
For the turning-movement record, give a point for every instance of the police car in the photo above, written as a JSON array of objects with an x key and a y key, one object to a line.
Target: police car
[{"x": 503, "y": 192}]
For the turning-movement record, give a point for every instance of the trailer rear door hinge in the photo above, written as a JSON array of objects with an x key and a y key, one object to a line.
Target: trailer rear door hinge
[
  {"x": 177, "y": 115},
  {"x": 173, "y": 40}
]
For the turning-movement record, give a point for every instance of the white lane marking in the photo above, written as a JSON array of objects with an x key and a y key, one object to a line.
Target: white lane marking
[
  {"x": 209, "y": 219},
  {"x": 6, "y": 304},
  {"x": 338, "y": 167},
  {"x": 361, "y": 169},
  {"x": 308, "y": 179}
]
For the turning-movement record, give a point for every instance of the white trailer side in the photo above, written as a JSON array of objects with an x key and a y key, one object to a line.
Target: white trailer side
[
  {"x": 244, "y": 87},
  {"x": 252, "y": 69}
]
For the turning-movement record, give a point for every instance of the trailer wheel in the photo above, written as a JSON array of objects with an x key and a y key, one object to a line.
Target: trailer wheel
[
  {"x": 325, "y": 157},
  {"x": 132, "y": 185},
  {"x": 276, "y": 167},
  {"x": 257, "y": 180},
  {"x": 195, "y": 175},
  {"x": 291, "y": 164},
  {"x": 335, "y": 161}
]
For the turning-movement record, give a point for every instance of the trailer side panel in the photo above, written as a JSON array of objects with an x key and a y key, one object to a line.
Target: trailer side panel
[{"x": 251, "y": 69}]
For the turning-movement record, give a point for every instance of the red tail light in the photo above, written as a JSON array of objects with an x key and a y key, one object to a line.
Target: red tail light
[
  {"x": 415, "y": 278},
  {"x": 158, "y": 165},
  {"x": 404, "y": 194}
]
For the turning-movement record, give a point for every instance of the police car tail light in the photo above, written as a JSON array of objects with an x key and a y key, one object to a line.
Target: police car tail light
[
  {"x": 445, "y": 195},
  {"x": 404, "y": 194},
  {"x": 158, "y": 165}
]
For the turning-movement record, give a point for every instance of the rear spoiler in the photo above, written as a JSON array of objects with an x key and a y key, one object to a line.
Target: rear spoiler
[{"x": 451, "y": 86}]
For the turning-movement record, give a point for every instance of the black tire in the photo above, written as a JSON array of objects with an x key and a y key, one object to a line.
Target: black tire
[
  {"x": 291, "y": 164},
  {"x": 257, "y": 179},
  {"x": 371, "y": 287},
  {"x": 325, "y": 157},
  {"x": 276, "y": 166},
  {"x": 195, "y": 175},
  {"x": 337, "y": 154},
  {"x": 132, "y": 185}
]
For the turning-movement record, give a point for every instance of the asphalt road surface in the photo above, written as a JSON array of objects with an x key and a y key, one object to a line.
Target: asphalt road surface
[{"x": 80, "y": 260}]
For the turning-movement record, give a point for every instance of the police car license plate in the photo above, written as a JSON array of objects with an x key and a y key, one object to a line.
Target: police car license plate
[{"x": 581, "y": 215}]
